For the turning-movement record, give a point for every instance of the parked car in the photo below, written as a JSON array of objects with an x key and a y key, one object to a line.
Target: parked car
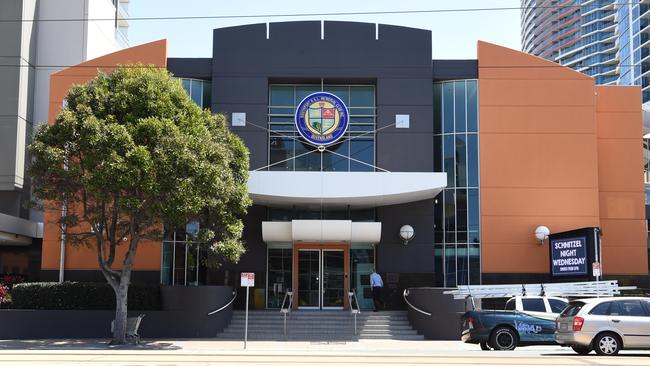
[
  {"x": 605, "y": 325},
  {"x": 526, "y": 320}
]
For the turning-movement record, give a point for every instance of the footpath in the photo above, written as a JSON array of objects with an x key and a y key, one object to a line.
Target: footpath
[{"x": 366, "y": 352}]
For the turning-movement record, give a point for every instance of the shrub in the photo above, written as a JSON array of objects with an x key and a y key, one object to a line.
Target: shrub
[
  {"x": 4, "y": 293},
  {"x": 81, "y": 296}
]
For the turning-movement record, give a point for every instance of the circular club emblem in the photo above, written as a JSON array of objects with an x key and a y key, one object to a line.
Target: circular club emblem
[{"x": 322, "y": 118}]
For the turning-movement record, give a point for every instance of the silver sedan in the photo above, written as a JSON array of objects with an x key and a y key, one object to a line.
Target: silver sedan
[{"x": 605, "y": 325}]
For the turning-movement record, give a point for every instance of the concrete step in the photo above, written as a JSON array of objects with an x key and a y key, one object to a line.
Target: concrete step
[
  {"x": 320, "y": 326},
  {"x": 319, "y": 321},
  {"x": 322, "y": 317}
]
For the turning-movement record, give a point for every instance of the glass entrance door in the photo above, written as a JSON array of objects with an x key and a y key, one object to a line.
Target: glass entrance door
[
  {"x": 309, "y": 278},
  {"x": 333, "y": 279},
  {"x": 321, "y": 280}
]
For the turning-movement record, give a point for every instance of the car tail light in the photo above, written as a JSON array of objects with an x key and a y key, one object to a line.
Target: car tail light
[
  {"x": 557, "y": 324},
  {"x": 470, "y": 323},
  {"x": 578, "y": 322}
]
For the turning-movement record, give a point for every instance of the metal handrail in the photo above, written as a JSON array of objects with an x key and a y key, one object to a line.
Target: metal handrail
[
  {"x": 406, "y": 293},
  {"x": 234, "y": 296},
  {"x": 353, "y": 295},
  {"x": 285, "y": 311}
]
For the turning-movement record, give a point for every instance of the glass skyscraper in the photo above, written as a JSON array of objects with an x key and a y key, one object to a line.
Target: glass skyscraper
[{"x": 606, "y": 39}]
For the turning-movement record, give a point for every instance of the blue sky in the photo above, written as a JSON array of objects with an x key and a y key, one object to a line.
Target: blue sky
[{"x": 454, "y": 34}]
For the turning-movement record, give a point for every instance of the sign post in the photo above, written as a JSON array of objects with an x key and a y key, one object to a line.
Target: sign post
[{"x": 248, "y": 281}]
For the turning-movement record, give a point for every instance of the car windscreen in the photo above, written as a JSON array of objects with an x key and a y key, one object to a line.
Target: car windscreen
[{"x": 572, "y": 309}]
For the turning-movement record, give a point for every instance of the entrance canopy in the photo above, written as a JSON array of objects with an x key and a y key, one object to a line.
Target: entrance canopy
[
  {"x": 343, "y": 189},
  {"x": 320, "y": 231}
]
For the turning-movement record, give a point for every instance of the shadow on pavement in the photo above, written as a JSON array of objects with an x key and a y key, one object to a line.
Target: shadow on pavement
[{"x": 82, "y": 344}]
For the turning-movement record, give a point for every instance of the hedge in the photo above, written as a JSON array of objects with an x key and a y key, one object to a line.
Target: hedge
[{"x": 81, "y": 296}]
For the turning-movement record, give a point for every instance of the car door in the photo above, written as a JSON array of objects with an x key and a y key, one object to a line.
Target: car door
[
  {"x": 630, "y": 318},
  {"x": 535, "y": 324},
  {"x": 646, "y": 324}
]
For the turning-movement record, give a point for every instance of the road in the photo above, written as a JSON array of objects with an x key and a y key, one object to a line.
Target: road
[{"x": 208, "y": 352}]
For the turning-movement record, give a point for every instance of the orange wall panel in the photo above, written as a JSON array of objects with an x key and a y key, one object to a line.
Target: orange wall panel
[
  {"x": 512, "y": 92},
  {"x": 556, "y": 150},
  {"x": 622, "y": 196},
  {"x": 539, "y": 202},
  {"x": 538, "y": 156},
  {"x": 148, "y": 255},
  {"x": 537, "y": 119},
  {"x": 615, "y": 259},
  {"x": 516, "y": 258},
  {"x": 519, "y": 230},
  {"x": 538, "y": 160}
]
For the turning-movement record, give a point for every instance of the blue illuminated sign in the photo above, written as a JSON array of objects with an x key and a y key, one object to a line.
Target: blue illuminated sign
[{"x": 569, "y": 256}]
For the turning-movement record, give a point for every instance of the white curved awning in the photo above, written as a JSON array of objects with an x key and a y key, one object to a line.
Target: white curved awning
[
  {"x": 321, "y": 231},
  {"x": 354, "y": 189}
]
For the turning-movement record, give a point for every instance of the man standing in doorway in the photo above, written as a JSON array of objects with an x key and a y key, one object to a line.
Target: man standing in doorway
[{"x": 376, "y": 283}]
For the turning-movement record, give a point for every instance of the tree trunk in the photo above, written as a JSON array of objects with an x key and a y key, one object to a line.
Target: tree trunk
[{"x": 121, "y": 308}]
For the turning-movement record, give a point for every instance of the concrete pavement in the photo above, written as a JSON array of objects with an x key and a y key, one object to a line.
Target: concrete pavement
[{"x": 375, "y": 352}]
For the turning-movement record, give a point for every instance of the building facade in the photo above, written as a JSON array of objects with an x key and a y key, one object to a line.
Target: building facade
[
  {"x": 472, "y": 154},
  {"x": 39, "y": 38}
]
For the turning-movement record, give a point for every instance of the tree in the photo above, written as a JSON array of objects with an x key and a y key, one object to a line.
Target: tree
[{"x": 129, "y": 154}]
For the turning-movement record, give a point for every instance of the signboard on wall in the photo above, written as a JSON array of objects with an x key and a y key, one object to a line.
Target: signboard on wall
[{"x": 569, "y": 256}]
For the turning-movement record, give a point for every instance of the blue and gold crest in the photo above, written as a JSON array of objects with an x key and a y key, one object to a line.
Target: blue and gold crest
[{"x": 322, "y": 118}]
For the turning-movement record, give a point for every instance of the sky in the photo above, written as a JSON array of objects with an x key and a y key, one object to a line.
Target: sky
[{"x": 454, "y": 33}]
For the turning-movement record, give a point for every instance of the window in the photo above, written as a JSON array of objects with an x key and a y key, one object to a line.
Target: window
[
  {"x": 572, "y": 309},
  {"x": 199, "y": 90},
  {"x": 183, "y": 260},
  {"x": 354, "y": 152},
  {"x": 511, "y": 304},
  {"x": 601, "y": 309},
  {"x": 646, "y": 304},
  {"x": 533, "y": 305},
  {"x": 631, "y": 308},
  {"x": 280, "y": 262},
  {"x": 556, "y": 305},
  {"x": 456, "y": 209}
]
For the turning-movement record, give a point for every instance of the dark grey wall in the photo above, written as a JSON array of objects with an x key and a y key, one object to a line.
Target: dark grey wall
[
  {"x": 196, "y": 68},
  {"x": 184, "y": 315},
  {"x": 417, "y": 255},
  {"x": 398, "y": 62},
  {"x": 444, "y": 322},
  {"x": 454, "y": 69}
]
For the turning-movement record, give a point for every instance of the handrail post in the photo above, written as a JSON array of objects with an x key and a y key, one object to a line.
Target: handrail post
[
  {"x": 353, "y": 295},
  {"x": 287, "y": 295}
]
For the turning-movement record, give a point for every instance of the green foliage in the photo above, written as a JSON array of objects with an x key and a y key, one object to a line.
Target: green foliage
[
  {"x": 81, "y": 296},
  {"x": 130, "y": 151}
]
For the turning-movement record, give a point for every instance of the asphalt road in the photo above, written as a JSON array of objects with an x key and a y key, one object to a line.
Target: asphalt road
[{"x": 208, "y": 352}]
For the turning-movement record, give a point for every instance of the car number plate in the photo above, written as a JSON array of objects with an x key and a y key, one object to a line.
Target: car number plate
[{"x": 564, "y": 327}]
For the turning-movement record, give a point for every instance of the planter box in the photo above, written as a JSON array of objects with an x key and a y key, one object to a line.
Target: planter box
[{"x": 184, "y": 315}]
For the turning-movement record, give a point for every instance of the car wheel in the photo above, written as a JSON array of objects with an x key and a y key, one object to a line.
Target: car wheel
[
  {"x": 484, "y": 346},
  {"x": 581, "y": 350},
  {"x": 607, "y": 344},
  {"x": 503, "y": 339}
]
